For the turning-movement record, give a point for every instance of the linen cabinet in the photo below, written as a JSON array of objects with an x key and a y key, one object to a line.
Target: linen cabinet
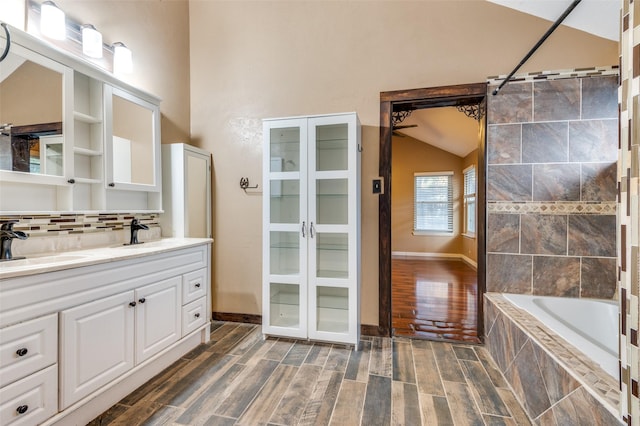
[{"x": 311, "y": 229}]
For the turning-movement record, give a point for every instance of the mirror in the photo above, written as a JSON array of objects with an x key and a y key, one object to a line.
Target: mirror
[
  {"x": 31, "y": 110},
  {"x": 133, "y": 143}
]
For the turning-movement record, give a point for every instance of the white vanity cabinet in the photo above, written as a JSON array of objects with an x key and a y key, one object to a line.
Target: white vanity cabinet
[
  {"x": 186, "y": 191},
  {"x": 105, "y": 338},
  {"x": 311, "y": 231},
  {"x": 115, "y": 322}
]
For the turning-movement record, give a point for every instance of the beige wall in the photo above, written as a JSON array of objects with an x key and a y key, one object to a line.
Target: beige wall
[
  {"x": 470, "y": 245},
  {"x": 257, "y": 59},
  {"x": 411, "y": 156},
  {"x": 157, "y": 32}
]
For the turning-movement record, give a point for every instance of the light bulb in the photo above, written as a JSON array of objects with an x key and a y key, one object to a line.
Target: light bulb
[
  {"x": 122, "y": 60},
  {"x": 91, "y": 41},
  {"x": 52, "y": 21}
]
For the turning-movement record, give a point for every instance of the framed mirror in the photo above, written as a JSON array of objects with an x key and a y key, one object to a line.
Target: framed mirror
[
  {"x": 32, "y": 113},
  {"x": 132, "y": 147}
]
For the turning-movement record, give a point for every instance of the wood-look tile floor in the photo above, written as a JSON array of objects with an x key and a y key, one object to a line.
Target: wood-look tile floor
[
  {"x": 240, "y": 379},
  {"x": 434, "y": 299}
]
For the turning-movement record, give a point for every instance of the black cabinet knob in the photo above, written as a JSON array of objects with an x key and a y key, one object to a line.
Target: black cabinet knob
[
  {"x": 22, "y": 351},
  {"x": 22, "y": 409},
  {"x": 71, "y": 181},
  {"x": 132, "y": 304},
  {"x": 142, "y": 300},
  {"x": 197, "y": 285},
  {"x": 197, "y": 315}
]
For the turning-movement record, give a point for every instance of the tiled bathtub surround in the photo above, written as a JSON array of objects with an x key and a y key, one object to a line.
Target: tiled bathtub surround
[
  {"x": 628, "y": 165},
  {"x": 54, "y": 233},
  {"x": 556, "y": 384},
  {"x": 551, "y": 184}
]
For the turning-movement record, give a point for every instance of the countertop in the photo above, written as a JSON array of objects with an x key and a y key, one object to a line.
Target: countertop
[{"x": 74, "y": 259}]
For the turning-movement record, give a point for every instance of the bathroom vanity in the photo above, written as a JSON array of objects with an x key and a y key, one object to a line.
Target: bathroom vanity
[{"x": 81, "y": 330}]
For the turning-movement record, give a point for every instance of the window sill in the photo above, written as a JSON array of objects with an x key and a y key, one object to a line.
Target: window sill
[
  {"x": 433, "y": 233},
  {"x": 470, "y": 236}
]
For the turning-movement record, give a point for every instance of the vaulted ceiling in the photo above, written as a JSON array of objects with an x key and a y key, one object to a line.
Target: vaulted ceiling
[{"x": 452, "y": 131}]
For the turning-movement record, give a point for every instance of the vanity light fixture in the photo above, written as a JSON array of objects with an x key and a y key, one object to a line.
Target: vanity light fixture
[
  {"x": 122, "y": 61},
  {"x": 91, "y": 41},
  {"x": 52, "y": 21}
]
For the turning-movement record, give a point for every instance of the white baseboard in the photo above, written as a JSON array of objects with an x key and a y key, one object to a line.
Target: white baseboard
[{"x": 458, "y": 256}]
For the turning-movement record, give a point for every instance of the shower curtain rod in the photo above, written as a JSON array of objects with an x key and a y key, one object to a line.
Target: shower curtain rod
[{"x": 538, "y": 44}]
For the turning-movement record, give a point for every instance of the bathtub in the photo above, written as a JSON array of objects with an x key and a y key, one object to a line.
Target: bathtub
[{"x": 589, "y": 325}]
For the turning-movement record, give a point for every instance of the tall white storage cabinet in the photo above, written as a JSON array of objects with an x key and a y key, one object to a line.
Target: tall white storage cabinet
[
  {"x": 311, "y": 232},
  {"x": 186, "y": 191}
]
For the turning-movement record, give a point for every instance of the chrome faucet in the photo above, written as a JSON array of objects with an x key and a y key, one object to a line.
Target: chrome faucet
[
  {"x": 7, "y": 234},
  {"x": 135, "y": 227}
]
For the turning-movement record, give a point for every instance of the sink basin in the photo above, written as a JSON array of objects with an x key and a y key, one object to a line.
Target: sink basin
[{"x": 33, "y": 261}]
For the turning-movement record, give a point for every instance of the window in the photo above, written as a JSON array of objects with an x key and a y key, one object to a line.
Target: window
[
  {"x": 470, "y": 200},
  {"x": 433, "y": 202}
]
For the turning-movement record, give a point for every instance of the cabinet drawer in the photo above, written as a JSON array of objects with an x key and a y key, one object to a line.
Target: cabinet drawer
[
  {"x": 194, "y": 285},
  {"x": 194, "y": 315},
  {"x": 28, "y": 347},
  {"x": 30, "y": 401}
]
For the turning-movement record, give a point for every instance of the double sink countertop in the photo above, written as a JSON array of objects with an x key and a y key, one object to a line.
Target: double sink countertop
[{"x": 38, "y": 264}]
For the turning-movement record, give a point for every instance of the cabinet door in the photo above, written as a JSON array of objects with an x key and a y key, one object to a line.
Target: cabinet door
[
  {"x": 96, "y": 345},
  {"x": 334, "y": 220},
  {"x": 158, "y": 317},
  {"x": 286, "y": 228},
  {"x": 197, "y": 194},
  {"x": 132, "y": 142}
]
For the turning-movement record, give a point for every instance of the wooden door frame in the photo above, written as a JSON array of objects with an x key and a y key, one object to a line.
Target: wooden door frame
[{"x": 427, "y": 98}]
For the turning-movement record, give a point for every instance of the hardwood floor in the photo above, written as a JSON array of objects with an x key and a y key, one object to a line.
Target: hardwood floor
[
  {"x": 434, "y": 299},
  {"x": 240, "y": 379}
]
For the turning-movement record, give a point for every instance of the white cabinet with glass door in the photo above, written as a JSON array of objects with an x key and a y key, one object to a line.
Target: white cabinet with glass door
[{"x": 311, "y": 233}]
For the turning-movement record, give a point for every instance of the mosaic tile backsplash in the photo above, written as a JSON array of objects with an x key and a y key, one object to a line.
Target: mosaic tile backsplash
[
  {"x": 551, "y": 184},
  {"x": 52, "y": 233}
]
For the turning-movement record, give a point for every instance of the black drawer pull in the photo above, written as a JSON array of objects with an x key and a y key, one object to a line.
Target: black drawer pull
[
  {"x": 132, "y": 304},
  {"x": 197, "y": 285},
  {"x": 22, "y": 409},
  {"x": 22, "y": 351},
  {"x": 142, "y": 300},
  {"x": 197, "y": 315}
]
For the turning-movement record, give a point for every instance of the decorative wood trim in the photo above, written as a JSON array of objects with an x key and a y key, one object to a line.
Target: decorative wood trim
[
  {"x": 235, "y": 317},
  {"x": 425, "y": 98},
  {"x": 371, "y": 330},
  {"x": 384, "y": 221}
]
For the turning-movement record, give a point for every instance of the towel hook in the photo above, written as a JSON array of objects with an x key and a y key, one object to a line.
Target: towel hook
[{"x": 244, "y": 184}]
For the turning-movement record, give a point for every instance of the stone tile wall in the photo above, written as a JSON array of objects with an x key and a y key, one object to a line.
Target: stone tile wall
[
  {"x": 551, "y": 184},
  {"x": 629, "y": 186}
]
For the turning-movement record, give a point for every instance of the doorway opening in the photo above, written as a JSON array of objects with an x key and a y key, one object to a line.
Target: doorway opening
[{"x": 468, "y": 97}]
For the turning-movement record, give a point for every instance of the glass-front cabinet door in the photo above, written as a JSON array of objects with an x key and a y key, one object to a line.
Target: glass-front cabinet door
[
  {"x": 334, "y": 228},
  {"x": 285, "y": 229},
  {"x": 311, "y": 232}
]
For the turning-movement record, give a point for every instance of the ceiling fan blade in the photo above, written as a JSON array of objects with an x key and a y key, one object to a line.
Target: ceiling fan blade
[{"x": 405, "y": 126}]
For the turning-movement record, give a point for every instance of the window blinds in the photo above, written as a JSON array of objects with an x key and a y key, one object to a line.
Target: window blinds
[
  {"x": 470, "y": 199},
  {"x": 433, "y": 202}
]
